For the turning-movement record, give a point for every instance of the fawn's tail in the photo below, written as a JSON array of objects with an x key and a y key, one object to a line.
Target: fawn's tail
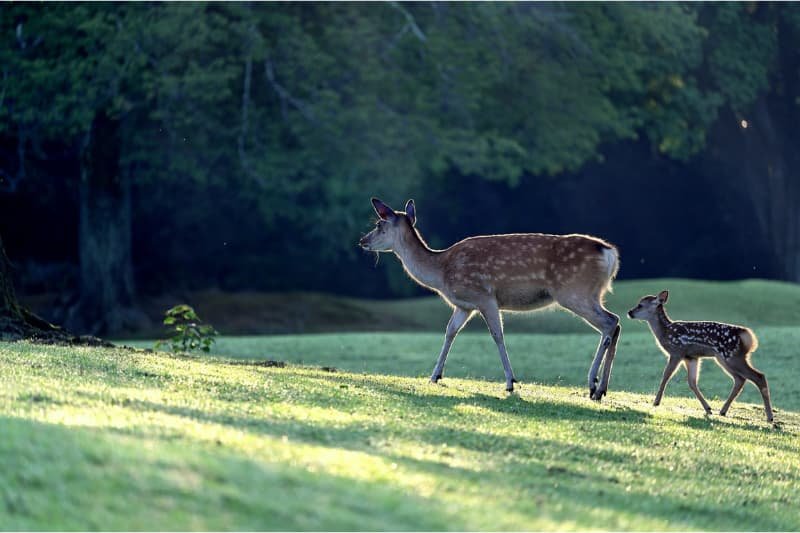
[{"x": 749, "y": 340}]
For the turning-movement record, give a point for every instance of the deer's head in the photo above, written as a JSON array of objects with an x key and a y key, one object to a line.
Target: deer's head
[
  {"x": 390, "y": 228},
  {"x": 648, "y": 306}
]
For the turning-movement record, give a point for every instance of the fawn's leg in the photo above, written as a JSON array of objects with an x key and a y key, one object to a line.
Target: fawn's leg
[
  {"x": 738, "y": 384},
  {"x": 457, "y": 322},
  {"x": 742, "y": 366},
  {"x": 491, "y": 314},
  {"x": 692, "y": 369},
  {"x": 669, "y": 371}
]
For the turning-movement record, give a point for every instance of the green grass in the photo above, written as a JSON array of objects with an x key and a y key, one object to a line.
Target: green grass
[
  {"x": 754, "y": 302},
  {"x": 115, "y": 439}
]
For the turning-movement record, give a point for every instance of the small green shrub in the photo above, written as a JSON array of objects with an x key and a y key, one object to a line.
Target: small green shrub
[{"x": 188, "y": 333}]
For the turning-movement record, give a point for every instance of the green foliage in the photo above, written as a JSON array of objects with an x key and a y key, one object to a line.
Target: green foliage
[
  {"x": 316, "y": 103},
  {"x": 744, "y": 47},
  {"x": 188, "y": 333}
]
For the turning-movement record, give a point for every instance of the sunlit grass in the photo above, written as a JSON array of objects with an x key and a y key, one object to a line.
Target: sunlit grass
[{"x": 114, "y": 439}]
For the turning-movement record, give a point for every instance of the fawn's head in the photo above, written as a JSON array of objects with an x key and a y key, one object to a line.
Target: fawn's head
[
  {"x": 648, "y": 306},
  {"x": 392, "y": 226}
]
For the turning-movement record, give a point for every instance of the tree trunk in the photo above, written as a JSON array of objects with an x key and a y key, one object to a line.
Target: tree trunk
[
  {"x": 105, "y": 303},
  {"x": 9, "y": 307},
  {"x": 16, "y": 322}
]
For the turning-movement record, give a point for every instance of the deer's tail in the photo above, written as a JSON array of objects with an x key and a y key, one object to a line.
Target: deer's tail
[
  {"x": 749, "y": 340},
  {"x": 610, "y": 258}
]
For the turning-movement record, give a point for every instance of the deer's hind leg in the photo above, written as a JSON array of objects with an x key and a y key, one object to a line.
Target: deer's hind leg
[
  {"x": 743, "y": 367},
  {"x": 738, "y": 385},
  {"x": 607, "y": 324}
]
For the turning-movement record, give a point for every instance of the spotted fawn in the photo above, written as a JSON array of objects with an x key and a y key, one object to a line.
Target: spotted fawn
[{"x": 688, "y": 342}]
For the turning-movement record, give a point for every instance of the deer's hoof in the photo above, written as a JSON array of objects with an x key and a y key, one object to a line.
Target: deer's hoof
[
  {"x": 598, "y": 395},
  {"x": 435, "y": 379},
  {"x": 592, "y": 389}
]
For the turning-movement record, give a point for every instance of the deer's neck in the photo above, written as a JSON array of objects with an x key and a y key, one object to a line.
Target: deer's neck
[
  {"x": 421, "y": 262},
  {"x": 659, "y": 322}
]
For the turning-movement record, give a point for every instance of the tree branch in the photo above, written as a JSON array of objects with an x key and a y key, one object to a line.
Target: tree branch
[
  {"x": 411, "y": 22},
  {"x": 285, "y": 95},
  {"x": 248, "y": 76}
]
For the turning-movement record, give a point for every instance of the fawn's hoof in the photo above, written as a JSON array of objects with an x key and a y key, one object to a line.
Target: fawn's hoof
[
  {"x": 598, "y": 395},
  {"x": 435, "y": 379}
]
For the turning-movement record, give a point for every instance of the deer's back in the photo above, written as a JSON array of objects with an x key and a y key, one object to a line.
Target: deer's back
[
  {"x": 523, "y": 269},
  {"x": 704, "y": 339}
]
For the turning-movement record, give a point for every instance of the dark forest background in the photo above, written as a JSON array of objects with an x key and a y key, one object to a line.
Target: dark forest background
[{"x": 149, "y": 148}]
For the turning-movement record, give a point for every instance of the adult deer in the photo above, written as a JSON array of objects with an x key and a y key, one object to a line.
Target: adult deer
[{"x": 515, "y": 272}]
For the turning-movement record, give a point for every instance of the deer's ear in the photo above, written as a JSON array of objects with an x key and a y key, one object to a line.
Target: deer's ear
[
  {"x": 411, "y": 212},
  {"x": 662, "y": 297},
  {"x": 383, "y": 210}
]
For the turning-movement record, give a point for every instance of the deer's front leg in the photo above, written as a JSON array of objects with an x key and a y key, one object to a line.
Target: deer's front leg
[
  {"x": 457, "y": 321},
  {"x": 669, "y": 371},
  {"x": 491, "y": 314},
  {"x": 692, "y": 369}
]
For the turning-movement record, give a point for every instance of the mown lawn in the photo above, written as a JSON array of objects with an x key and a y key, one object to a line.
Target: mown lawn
[{"x": 118, "y": 439}]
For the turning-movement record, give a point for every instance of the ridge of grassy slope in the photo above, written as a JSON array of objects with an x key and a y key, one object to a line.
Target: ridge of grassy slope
[
  {"x": 752, "y": 302},
  {"x": 113, "y": 439}
]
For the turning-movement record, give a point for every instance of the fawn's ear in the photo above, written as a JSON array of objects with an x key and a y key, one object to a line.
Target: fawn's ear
[
  {"x": 411, "y": 212},
  {"x": 383, "y": 210},
  {"x": 662, "y": 297}
]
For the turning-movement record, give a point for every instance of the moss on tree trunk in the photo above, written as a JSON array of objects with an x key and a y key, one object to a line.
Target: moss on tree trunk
[
  {"x": 18, "y": 323},
  {"x": 9, "y": 307}
]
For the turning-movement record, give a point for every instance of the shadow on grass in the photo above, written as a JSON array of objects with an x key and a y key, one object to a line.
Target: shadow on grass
[
  {"x": 569, "y": 481},
  {"x": 531, "y": 470},
  {"x": 77, "y": 478}
]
